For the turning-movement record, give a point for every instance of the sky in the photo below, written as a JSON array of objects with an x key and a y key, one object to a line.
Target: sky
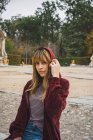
[{"x": 24, "y": 7}]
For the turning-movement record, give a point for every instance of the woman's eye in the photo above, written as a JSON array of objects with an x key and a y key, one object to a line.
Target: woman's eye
[
  {"x": 37, "y": 63},
  {"x": 43, "y": 62}
]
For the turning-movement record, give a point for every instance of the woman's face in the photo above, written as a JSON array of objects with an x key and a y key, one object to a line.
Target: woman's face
[{"x": 42, "y": 68}]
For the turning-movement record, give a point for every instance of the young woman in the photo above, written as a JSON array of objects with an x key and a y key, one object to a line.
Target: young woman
[{"x": 43, "y": 100}]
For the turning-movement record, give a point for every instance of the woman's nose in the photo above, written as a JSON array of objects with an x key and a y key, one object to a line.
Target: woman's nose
[{"x": 40, "y": 65}]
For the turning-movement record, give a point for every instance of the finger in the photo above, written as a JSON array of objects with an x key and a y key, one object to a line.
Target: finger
[
  {"x": 56, "y": 61},
  {"x": 52, "y": 63}
]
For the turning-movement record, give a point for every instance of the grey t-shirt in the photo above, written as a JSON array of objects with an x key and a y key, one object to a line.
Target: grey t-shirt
[{"x": 37, "y": 108}]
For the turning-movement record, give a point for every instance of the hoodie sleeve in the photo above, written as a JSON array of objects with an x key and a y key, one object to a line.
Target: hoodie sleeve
[
  {"x": 57, "y": 93},
  {"x": 17, "y": 126}
]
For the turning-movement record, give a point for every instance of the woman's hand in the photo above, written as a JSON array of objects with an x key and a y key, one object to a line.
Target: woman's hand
[
  {"x": 55, "y": 68},
  {"x": 18, "y": 138}
]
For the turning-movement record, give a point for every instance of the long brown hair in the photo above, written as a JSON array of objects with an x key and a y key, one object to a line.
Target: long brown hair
[{"x": 40, "y": 55}]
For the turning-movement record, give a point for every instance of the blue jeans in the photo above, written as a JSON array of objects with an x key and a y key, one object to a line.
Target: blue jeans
[{"x": 32, "y": 132}]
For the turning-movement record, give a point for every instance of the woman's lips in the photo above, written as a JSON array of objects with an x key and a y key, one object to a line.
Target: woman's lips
[{"x": 41, "y": 71}]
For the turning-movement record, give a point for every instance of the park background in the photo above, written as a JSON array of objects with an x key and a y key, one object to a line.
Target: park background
[
  {"x": 71, "y": 38},
  {"x": 70, "y": 35}
]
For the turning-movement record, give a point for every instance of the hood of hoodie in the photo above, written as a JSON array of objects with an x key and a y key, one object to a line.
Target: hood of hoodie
[{"x": 52, "y": 55}]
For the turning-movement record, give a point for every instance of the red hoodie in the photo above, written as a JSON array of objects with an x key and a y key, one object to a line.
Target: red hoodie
[{"x": 54, "y": 104}]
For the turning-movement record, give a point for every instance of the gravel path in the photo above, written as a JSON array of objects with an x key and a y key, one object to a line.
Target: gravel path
[{"x": 76, "y": 120}]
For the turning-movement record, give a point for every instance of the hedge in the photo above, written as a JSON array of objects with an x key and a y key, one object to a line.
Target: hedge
[
  {"x": 78, "y": 60},
  {"x": 65, "y": 61},
  {"x": 14, "y": 59}
]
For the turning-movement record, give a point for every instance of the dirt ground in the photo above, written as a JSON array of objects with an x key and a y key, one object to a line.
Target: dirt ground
[
  {"x": 76, "y": 121},
  {"x": 13, "y": 79}
]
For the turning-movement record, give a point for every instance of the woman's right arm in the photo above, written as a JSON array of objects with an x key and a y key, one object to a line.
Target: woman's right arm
[{"x": 18, "y": 125}]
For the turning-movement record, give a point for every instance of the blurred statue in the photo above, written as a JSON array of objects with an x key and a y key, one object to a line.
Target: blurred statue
[
  {"x": 3, "y": 54},
  {"x": 73, "y": 63},
  {"x": 91, "y": 59},
  {"x": 2, "y": 44}
]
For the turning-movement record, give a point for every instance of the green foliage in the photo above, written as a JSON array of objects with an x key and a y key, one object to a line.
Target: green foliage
[
  {"x": 78, "y": 22},
  {"x": 9, "y": 45},
  {"x": 66, "y": 61},
  {"x": 25, "y": 29},
  {"x": 9, "y": 27},
  {"x": 45, "y": 26},
  {"x": 14, "y": 58},
  {"x": 50, "y": 21},
  {"x": 42, "y": 27},
  {"x": 28, "y": 28}
]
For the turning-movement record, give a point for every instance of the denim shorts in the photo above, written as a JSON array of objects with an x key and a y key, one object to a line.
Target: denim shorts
[{"x": 32, "y": 132}]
